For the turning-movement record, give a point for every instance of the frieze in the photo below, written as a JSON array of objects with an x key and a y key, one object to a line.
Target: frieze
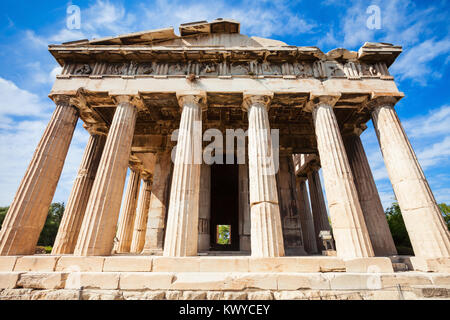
[{"x": 320, "y": 69}]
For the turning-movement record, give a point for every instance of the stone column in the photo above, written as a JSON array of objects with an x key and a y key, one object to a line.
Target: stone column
[
  {"x": 28, "y": 211},
  {"x": 289, "y": 207},
  {"x": 182, "y": 221},
  {"x": 306, "y": 219},
  {"x": 266, "y": 231},
  {"x": 318, "y": 207},
  {"x": 244, "y": 209},
  {"x": 140, "y": 224},
  {"x": 69, "y": 228},
  {"x": 427, "y": 230},
  {"x": 349, "y": 229},
  {"x": 154, "y": 236},
  {"x": 99, "y": 224},
  {"x": 204, "y": 234},
  {"x": 374, "y": 216},
  {"x": 125, "y": 226}
]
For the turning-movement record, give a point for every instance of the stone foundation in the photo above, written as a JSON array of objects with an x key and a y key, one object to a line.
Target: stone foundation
[{"x": 214, "y": 278}]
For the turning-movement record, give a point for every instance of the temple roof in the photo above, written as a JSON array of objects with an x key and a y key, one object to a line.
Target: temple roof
[{"x": 211, "y": 36}]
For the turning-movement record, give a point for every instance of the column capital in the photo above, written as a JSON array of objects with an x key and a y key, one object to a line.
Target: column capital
[
  {"x": 353, "y": 129},
  {"x": 122, "y": 99},
  {"x": 383, "y": 98},
  {"x": 192, "y": 97},
  {"x": 318, "y": 98},
  {"x": 62, "y": 99},
  {"x": 96, "y": 129},
  {"x": 263, "y": 98}
]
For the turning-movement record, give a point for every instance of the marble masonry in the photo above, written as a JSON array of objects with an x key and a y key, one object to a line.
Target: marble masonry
[{"x": 150, "y": 100}]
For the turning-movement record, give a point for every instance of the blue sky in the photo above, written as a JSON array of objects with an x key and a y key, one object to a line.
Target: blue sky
[{"x": 27, "y": 70}]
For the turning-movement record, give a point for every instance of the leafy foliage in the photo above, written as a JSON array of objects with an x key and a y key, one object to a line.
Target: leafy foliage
[
  {"x": 48, "y": 234},
  {"x": 398, "y": 230},
  {"x": 224, "y": 234},
  {"x": 445, "y": 209}
]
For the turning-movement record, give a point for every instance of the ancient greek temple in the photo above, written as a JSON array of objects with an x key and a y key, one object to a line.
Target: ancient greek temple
[{"x": 132, "y": 92}]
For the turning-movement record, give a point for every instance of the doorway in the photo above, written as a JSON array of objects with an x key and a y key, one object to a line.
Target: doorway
[{"x": 224, "y": 226}]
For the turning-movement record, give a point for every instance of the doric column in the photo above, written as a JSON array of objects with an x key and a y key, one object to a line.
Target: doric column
[
  {"x": 204, "y": 234},
  {"x": 182, "y": 221},
  {"x": 426, "y": 228},
  {"x": 266, "y": 231},
  {"x": 99, "y": 224},
  {"x": 159, "y": 199},
  {"x": 140, "y": 224},
  {"x": 68, "y": 231},
  {"x": 125, "y": 226},
  {"x": 289, "y": 207},
  {"x": 244, "y": 209},
  {"x": 28, "y": 211},
  {"x": 374, "y": 216},
  {"x": 318, "y": 207},
  {"x": 306, "y": 219},
  {"x": 349, "y": 229}
]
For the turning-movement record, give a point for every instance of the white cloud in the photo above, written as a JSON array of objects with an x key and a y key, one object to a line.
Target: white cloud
[{"x": 24, "y": 117}]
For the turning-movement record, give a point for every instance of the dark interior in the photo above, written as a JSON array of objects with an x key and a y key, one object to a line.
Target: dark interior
[{"x": 225, "y": 204}]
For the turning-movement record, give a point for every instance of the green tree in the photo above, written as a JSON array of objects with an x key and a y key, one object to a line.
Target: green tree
[
  {"x": 398, "y": 230},
  {"x": 224, "y": 234},
  {"x": 51, "y": 225},
  {"x": 48, "y": 234},
  {"x": 3, "y": 212},
  {"x": 445, "y": 209}
]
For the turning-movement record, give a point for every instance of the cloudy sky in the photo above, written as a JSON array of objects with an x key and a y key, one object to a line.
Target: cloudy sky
[{"x": 422, "y": 71}]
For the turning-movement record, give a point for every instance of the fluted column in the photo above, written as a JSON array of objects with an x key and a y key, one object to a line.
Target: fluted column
[
  {"x": 28, "y": 211},
  {"x": 349, "y": 228},
  {"x": 426, "y": 228},
  {"x": 99, "y": 224},
  {"x": 69, "y": 228},
  {"x": 140, "y": 224},
  {"x": 154, "y": 236},
  {"x": 266, "y": 231},
  {"x": 374, "y": 216},
  {"x": 182, "y": 221},
  {"x": 289, "y": 207},
  {"x": 318, "y": 207},
  {"x": 204, "y": 233},
  {"x": 306, "y": 219},
  {"x": 125, "y": 226},
  {"x": 244, "y": 209}
]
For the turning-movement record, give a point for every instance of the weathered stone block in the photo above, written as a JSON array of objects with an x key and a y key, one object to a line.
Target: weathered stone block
[
  {"x": 36, "y": 263},
  {"x": 42, "y": 280},
  {"x": 205, "y": 281},
  {"x": 194, "y": 295},
  {"x": 128, "y": 264},
  {"x": 297, "y": 281},
  {"x": 7, "y": 263},
  {"x": 55, "y": 295},
  {"x": 80, "y": 264},
  {"x": 234, "y": 296},
  {"x": 8, "y": 280},
  {"x": 145, "y": 281},
  {"x": 405, "y": 279},
  {"x": 258, "y": 281},
  {"x": 224, "y": 264},
  {"x": 354, "y": 281},
  {"x": 260, "y": 295},
  {"x": 169, "y": 264},
  {"x": 101, "y": 295},
  {"x": 431, "y": 265},
  {"x": 93, "y": 280},
  {"x": 284, "y": 264},
  {"x": 441, "y": 279},
  {"x": 288, "y": 295},
  {"x": 369, "y": 265}
]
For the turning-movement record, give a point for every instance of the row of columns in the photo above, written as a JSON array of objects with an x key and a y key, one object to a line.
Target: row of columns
[{"x": 355, "y": 211}]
